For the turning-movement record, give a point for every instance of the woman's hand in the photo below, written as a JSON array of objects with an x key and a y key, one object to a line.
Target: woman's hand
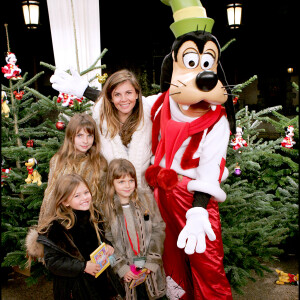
[
  {"x": 129, "y": 276},
  {"x": 92, "y": 268},
  {"x": 109, "y": 250}
]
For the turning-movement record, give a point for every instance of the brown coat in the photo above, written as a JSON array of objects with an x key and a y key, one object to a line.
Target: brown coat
[{"x": 151, "y": 235}]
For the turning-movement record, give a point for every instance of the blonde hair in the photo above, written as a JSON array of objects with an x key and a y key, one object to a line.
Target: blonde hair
[
  {"x": 109, "y": 112},
  {"x": 67, "y": 152},
  {"x": 118, "y": 168},
  {"x": 64, "y": 189}
]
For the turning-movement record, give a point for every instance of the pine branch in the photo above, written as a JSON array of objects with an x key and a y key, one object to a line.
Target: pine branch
[
  {"x": 37, "y": 94},
  {"x": 27, "y": 118},
  {"x": 92, "y": 67},
  {"x": 296, "y": 86},
  {"x": 239, "y": 87},
  {"x": 49, "y": 66},
  {"x": 268, "y": 110},
  {"x": 22, "y": 84},
  {"x": 228, "y": 44}
]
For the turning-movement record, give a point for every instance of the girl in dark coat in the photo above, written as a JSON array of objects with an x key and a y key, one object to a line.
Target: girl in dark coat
[{"x": 68, "y": 237}]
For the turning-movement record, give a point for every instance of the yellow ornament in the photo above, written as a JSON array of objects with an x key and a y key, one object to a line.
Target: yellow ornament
[
  {"x": 4, "y": 107},
  {"x": 102, "y": 79},
  {"x": 33, "y": 174},
  {"x": 284, "y": 278}
]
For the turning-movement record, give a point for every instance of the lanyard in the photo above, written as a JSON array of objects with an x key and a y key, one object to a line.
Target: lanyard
[{"x": 138, "y": 242}]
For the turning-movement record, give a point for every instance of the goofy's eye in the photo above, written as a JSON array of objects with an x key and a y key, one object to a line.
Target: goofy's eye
[
  {"x": 207, "y": 61},
  {"x": 191, "y": 60}
]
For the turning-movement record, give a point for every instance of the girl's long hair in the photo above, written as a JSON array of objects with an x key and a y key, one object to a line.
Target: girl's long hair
[
  {"x": 109, "y": 112},
  {"x": 64, "y": 189},
  {"x": 117, "y": 169},
  {"x": 67, "y": 153}
]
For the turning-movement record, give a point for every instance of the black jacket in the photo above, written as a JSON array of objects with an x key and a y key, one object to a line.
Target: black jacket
[{"x": 67, "y": 263}]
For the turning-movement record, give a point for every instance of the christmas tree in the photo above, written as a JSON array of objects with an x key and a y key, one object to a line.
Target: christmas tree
[
  {"x": 32, "y": 128},
  {"x": 260, "y": 215}
]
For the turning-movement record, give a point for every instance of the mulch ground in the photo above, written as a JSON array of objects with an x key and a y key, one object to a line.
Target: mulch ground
[{"x": 264, "y": 288}]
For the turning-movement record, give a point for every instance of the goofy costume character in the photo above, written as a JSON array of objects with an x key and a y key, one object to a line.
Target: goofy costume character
[{"x": 189, "y": 142}]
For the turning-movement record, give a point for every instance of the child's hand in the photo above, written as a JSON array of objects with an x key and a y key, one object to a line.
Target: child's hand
[
  {"x": 92, "y": 268},
  {"x": 129, "y": 276},
  {"x": 109, "y": 250}
]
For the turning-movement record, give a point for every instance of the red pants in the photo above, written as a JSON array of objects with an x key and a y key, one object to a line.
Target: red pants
[{"x": 201, "y": 276}]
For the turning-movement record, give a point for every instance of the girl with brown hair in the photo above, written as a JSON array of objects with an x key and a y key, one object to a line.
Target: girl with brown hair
[
  {"x": 79, "y": 154},
  {"x": 66, "y": 237},
  {"x": 134, "y": 227}
]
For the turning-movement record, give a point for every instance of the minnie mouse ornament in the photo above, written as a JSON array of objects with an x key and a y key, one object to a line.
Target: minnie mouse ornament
[
  {"x": 238, "y": 141},
  {"x": 11, "y": 70},
  {"x": 288, "y": 141}
]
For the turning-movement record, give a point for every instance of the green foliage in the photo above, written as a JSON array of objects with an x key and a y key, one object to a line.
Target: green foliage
[
  {"x": 260, "y": 215},
  {"x": 33, "y": 117},
  {"x": 147, "y": 88},
  {"x": 296, "y": 86}
]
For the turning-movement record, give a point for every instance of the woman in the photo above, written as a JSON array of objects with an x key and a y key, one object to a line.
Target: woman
[
  {"x": 123, "y": 118},
  {"x": 121, "y": 113}
]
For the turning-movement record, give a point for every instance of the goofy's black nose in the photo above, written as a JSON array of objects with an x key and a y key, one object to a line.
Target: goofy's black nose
[{"x": 206, "y": 80}]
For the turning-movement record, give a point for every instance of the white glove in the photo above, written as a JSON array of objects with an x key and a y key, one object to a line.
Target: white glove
[
  {"x": 71, "y": 85},
  {"x": 197, "y": 226}
]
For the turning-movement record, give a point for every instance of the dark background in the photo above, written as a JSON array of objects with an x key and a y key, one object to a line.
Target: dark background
[{"x": 137, "y": 36}]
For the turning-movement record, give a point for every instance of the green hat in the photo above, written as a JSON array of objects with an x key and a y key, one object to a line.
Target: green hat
[{"x": 189, "y": 16}]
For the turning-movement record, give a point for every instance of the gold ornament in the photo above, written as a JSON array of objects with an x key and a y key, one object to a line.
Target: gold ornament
[{"x": 102, "y": 79}]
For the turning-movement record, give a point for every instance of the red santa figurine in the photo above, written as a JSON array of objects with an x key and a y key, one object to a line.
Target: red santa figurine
[
  {"x": 68, "y": 100},
  {"x": 238, "y": 141},
  {"x": 11, "y": 70},
  {"x": 288, "y": 141}
]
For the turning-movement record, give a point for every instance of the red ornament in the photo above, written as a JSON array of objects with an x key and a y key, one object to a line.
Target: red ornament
[
  {"x": 4, "y": 171},
  {"x": 235, "y": 100},
  {"x": 29, "y": 144},
  {"x": 19, "y": 95},
  {"x": 60, "y": 125}
]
